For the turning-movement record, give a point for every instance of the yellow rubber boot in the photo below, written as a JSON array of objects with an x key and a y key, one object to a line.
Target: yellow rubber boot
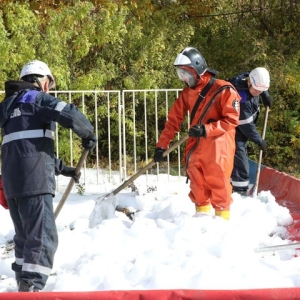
[
  {"x": 203, "y": 208},
  {"x": 225, "y": 214}
]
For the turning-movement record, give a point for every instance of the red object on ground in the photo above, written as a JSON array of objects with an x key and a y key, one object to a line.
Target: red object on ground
[
  {"x": 3, "y": 200},
  {"x": 294, "y": 230},
  {"x": 282, "y": 186},
  {"x": 255, "y": 294},
  {"x": 285, "y": 189}
]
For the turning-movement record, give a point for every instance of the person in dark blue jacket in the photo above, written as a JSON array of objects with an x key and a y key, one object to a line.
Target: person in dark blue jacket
[
  {"x": 28, "y": 117},
  {"x": 251, "y": 86}
]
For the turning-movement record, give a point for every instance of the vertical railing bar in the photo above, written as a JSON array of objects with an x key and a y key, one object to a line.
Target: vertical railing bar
[
  {"x": 146, "y": 132},
  {"x": 71, "y": 135},
  {"x": 120, "y": 131},
  {"x": 96, "y": 133},
  {"x": 179, "y": 152},
  {"x": 124, "y": 141},
  {"x": 109, "y": 139},
  {"x": 156, "y": 128},
  {"x": 179, "y": 155},
  {"x": 134, "y": 132},
  {"x": 167, "y": 109}
]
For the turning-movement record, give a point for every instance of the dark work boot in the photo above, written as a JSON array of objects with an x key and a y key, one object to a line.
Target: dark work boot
[
  {"x": 241, "y": 191},
  {"x": 27, "y": 287},
  {"x": 17, "y": 276}
]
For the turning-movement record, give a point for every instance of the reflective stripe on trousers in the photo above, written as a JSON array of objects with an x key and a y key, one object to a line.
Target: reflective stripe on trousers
[{"x": 36, "y": 238}]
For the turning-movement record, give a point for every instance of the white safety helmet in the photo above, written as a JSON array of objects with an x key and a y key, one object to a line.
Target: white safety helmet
[
  {"x": 37, "y": 67},
  {"x": 260, "y": 79}
]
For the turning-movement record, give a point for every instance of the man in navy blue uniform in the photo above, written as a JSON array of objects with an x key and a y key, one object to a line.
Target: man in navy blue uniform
[
  {"x": 28, "y": 117},
  {"x": 251, "y": 86}
]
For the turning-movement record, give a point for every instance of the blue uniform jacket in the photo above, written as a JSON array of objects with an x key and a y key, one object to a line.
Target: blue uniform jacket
[
  {"x": 249, "y": 112},
  {"x": 28, "y": 119}
]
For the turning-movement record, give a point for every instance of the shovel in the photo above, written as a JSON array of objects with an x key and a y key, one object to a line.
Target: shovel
[
  {"x": 255, "y": 187},
  {"x": 71, "y": 183},
  {"x": 278, "y": 247},
  {"x": 105, "y": 206}
]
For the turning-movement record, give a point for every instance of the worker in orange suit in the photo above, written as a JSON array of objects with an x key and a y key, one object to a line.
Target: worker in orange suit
[{"x": 213, "y": 105}]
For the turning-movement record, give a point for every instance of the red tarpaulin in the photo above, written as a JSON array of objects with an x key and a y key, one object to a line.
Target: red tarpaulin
[
  {"x": 285, "y": 189},
  {"x": 261, "y": 294}
]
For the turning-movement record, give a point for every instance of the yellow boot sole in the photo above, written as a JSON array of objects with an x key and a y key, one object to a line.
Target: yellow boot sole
[
  {"x": 203, "y": 209},
  {"x": 225, "y": 214}
]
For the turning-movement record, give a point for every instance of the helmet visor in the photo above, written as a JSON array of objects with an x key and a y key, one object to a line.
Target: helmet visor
[
  {"x": 259, "y": 87},
  {"x": 188, "y": 76}
]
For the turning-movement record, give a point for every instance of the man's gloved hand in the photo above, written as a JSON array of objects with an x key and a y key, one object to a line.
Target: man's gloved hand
[
  {"x": 266, "y": 99},
  {"x": 71, "y": 173},
  {"x": 197, "y": 131},
  {"x": 89, "y": 143},
  {"x": 263, "y": 145},
  {"x": 158, "y": 154}
]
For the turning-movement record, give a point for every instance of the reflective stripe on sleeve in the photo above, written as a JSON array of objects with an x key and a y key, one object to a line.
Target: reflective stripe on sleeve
[
  {"x": 60, "y": 106},
  {"x": 250, "y": 119},
  {"x": 247, "y": 121}
]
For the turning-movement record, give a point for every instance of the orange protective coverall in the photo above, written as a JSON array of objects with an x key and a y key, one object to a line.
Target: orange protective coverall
[{"x": 208, "y": 160}]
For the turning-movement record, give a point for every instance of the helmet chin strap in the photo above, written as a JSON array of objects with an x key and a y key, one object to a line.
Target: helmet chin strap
[{"x": 39, "y": 83}]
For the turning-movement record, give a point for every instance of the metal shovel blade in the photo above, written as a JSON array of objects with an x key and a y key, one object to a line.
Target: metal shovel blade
[
  {"x": 104, "y": 209},
  {"x": 105, "y": 206}
]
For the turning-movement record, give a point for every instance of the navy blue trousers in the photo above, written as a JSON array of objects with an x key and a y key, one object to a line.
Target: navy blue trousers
[
  {"x": 240, "y": 172},
  {"x": 35, "y": 237}
]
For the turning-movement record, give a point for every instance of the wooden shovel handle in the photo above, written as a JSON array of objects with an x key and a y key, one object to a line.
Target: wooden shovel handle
[
  {"x": 148, "y": 166},
  {"x": 71, "y": 183},
  {"x": 255, "y": 187}
]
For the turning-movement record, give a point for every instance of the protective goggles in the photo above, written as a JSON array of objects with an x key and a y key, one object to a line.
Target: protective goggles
[{"x": 188, "y": 76}]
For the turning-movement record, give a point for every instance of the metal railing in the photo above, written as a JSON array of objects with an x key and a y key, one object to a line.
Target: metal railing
[
  {"x": 131, "y": 113},
  {"x": 139, "y": 98},
  {"x": 74, "y": 97}
]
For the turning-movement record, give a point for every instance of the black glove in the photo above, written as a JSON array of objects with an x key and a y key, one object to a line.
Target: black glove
[
  {"x": 266, "y": 98},
  {"x": 70, "y": 172},
  {"x": 197, "y": 131},
  {"x": 158, "y": 155},
  {"x": 89, "y": 143},
  {"x": 263, "y": 145}
]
